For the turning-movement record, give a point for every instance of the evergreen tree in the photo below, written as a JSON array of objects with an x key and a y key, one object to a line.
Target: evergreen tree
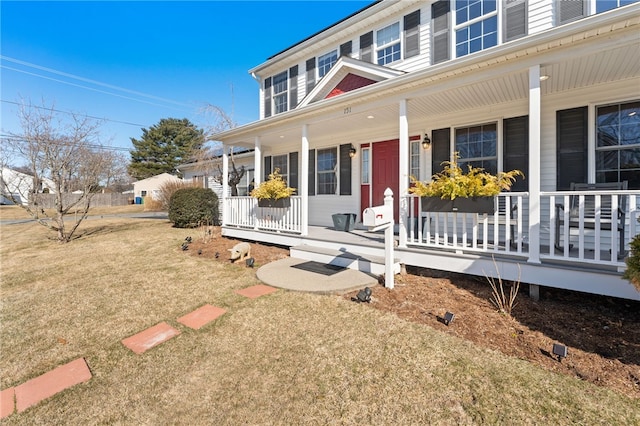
[{"x": 163, "y": 147}]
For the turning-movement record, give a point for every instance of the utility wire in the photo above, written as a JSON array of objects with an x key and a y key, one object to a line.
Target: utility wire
[
  {"x": 66, "y": 143},
  {"x": 87, "y": 80},
  {"x": 89, "y": 88},
  {"x": 71, "y": 113}
]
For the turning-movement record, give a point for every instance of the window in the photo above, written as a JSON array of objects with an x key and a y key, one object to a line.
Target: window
[
  {"x": 476, "y": 146},
  {"x": 604, "y": 5},
  {"x": 327, "y": 161},
  {"x": 476, "y": 26},
  {"x": 618, "y": 143},
  {"x": 325, "y": 62},
  {"x": 280, "y": 92},
  {"x": 365, "y": 166},
  {"x": 281, "y": 162},
  {"x": 388, "y": 44},
  {"x": 414, "y": 165}
]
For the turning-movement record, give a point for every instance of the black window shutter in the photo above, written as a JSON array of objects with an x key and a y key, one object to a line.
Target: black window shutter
[
  {"x": 312, "y": 172},
  {"x": 311, "y": 74},
  {"x": 346, "y": 48},
  {"x": 366, "y": 41},
  {"x": 267, "y": 97},
  {"x": 293, "y": 87},
  {"x": 345, "y": 169},
  {"x": 516, "y": 149},
  {"x": 267, "y": 168},
  {"x": 412, "y": 34},
  {"x": 440, "y": 31},
  {"x": 570, "y": 10},
  {"x": 571, "y": 145},
  {"x": 440, "y": 144},
  {"x": 293, "y": 170}
]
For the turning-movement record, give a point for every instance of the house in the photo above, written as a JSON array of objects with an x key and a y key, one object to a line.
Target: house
[
  {"x": 548, "y": 87},
  {"x": 151, "y": 187},
  {"x": 15, "y": 185},
  {"x": 207, "y": 173}
]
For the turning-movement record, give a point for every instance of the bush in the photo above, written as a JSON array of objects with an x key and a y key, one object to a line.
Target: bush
[
  {"x": 168, "y": 188},
  {"x": 633, "y": 263},
  {"x": 191, "y": 207}
]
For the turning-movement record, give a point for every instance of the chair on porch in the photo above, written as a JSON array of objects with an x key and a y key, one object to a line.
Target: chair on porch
[{"x": 609, "y": 220}]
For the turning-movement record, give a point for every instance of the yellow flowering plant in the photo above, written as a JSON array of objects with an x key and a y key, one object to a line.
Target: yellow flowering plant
[{"x": 273, "y": 188}]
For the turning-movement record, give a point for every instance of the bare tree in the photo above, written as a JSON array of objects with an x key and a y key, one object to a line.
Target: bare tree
[
  {"x": 204, "y": 159},
  {"x": 63, "y": 154}
]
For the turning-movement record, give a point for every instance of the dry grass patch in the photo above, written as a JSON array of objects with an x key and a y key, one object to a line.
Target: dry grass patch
[{"x": 286, "y": 358}]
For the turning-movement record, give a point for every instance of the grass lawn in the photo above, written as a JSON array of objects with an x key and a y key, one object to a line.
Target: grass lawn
[{"x": 285, "y": 358}]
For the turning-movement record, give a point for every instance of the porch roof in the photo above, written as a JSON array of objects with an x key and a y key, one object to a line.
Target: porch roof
[{"x": 595, "y": 50}]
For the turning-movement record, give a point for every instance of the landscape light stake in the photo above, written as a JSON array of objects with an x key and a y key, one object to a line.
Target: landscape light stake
[
  {"x": 560, "y": 350},
  {"x": 448, "y": 318}
]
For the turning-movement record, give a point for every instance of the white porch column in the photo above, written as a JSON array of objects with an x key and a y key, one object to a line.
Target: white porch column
[
  {"x": 225, "y": 183},
  {"x": 303, "y": 189},
  {"x": 403, "y": 186},
  {"x": 257, "y": 161},
  {"x": 534, "y": 163}
]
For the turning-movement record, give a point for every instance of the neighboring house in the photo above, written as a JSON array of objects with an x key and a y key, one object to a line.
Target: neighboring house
[
  {"x": 207, "y": 173},
  {"x": 548, "y": 87},
  {"x": 150, "y": 187},
  {"x": 18, "y": 185}
]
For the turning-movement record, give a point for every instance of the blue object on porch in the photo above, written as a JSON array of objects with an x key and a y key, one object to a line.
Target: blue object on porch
[{"x": 344, "y": 221}]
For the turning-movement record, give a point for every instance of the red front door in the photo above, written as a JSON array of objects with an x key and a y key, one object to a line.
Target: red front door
[{"x": 385, "y": 173}]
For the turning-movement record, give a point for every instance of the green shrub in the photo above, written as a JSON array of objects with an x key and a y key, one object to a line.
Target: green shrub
[
  {"x": 191, "y": 207},
  {"x": 633, "y": 263}
]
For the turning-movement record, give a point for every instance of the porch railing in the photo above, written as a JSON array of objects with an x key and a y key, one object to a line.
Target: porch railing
[
  {"x": 594, "y": 240},
  {"x": 243, "y": 212},
  {"x": 505, "y": 231},
  {"x": 601, "y": 220}
]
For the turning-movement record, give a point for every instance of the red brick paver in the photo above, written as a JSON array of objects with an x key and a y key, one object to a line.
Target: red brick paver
[
  {"x": 201, "y": 316},
  {"x": 7, "y": 403},
  {"x": 42, "y": 387},
  {"x": 256, "y": 291},
  {"x": 150, "y": 337}
]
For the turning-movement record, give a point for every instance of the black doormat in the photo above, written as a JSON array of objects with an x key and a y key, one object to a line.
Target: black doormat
[{"x": 319, "y": 268}]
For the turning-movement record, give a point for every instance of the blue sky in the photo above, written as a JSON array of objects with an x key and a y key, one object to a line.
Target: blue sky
[{"x": 133, "y": 63}]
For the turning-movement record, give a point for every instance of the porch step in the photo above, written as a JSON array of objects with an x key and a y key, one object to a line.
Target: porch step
[{"x": 366, "y": 263}]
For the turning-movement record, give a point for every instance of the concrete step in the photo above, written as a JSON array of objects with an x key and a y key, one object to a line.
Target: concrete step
[{"x": 366, "y": 263}]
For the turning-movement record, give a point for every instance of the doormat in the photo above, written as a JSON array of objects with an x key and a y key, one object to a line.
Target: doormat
[{"x": 319, "y": 268}]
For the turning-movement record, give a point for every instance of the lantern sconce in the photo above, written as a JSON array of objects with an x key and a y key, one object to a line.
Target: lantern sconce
[
  {"x": 352, "y": 151},
  {"x": 426, "y": 142}
]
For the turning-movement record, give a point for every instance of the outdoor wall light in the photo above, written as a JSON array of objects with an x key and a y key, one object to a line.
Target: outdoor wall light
[
  {"x": 426, "y": 142},
  {"x": 352, "y": 151}
]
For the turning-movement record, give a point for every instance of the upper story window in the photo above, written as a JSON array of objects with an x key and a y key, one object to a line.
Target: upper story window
[
  {"x": 477, "y": 147},
  {"x": 280, "y": 92},
  {"x": 476, "y": 26},
  {"x": 325, "y": 62},
  {"x": 388, "y": 44},
  {"x": 604, "y": 5}
]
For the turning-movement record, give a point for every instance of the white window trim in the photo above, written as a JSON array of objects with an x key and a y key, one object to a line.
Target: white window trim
[
  {"x": 399, "y": 41},
  {"x": 454, "y": 28}
]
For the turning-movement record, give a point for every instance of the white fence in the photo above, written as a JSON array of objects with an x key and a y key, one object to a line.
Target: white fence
[{"x": 243, "y": 212}]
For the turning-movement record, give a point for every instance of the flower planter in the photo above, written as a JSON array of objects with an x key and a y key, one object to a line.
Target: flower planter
[
  {"x": 459, "y": 205},
  {"x": 279, "y": 203}
]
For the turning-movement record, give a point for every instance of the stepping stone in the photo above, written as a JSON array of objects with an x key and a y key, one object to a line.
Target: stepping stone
[
  {"x": 256, "y": 291},
  {"x": 201, "y": 316},
  {"x": 150, "y": 337},
  {"x": 7, "y": 403},
  {"x": 42, "y": 387}
]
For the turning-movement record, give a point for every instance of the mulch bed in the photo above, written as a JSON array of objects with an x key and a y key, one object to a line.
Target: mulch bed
[{"x": 602, "y": 333}]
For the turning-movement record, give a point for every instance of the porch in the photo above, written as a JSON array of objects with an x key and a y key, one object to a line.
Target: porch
[{"x": 586, "y": 259}]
